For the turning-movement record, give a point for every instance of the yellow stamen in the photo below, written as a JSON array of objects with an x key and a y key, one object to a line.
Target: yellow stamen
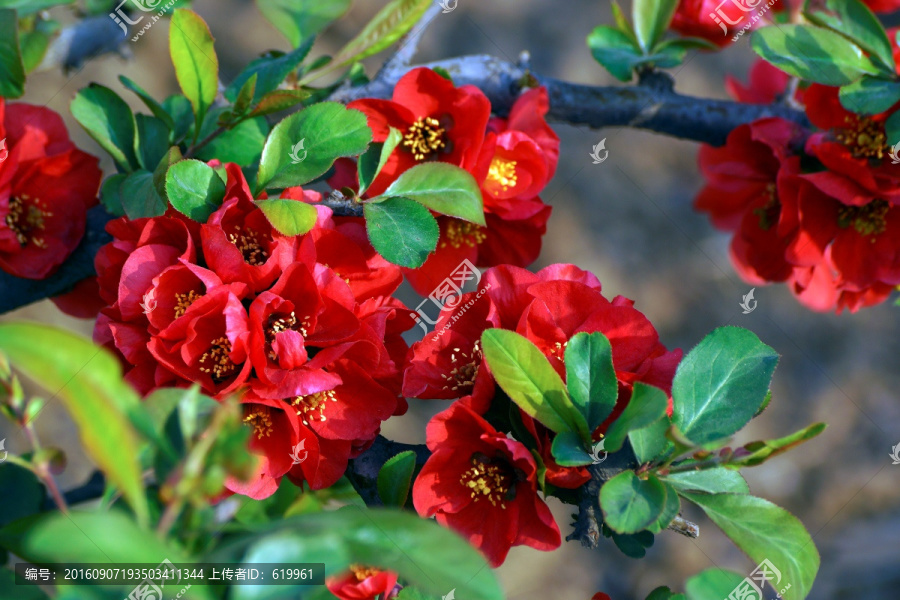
[{"x": 424, "y": 137}]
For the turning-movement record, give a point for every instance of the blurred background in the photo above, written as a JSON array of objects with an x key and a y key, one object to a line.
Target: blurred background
[{"x": 630, "y": 221}]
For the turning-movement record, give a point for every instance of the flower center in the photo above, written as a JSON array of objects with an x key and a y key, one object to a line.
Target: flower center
[
  {"x": 558, "y": 350},
  {"x": 503, "y": 173},
  {"x": 313, "y": 403},
  {"x": 184, "y": 301},
  {"x": 870, "y": 219},
  {"x": 462, "y": 232},
  {"x": 248, "y": 243},
  {"x": 463, "y": 375},
  {"x": 259, "y": 419},
  {"x": 23, "y": 219},
  {"x": 864, "y": 137},
  {"x": 362, "y": 572},
  {"x": 424, "y": 137},
  {"x": 281, "y": 322},
  {"x": 486, "y": 479},
  {"x": 216, "y": 361},
  {"x": 771, "y": 211}
]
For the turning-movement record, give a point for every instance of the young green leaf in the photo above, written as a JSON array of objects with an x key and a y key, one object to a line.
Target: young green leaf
[
  {"x": 721, "y": 384},
  {"x": 647, "y": 405},
  {"x": 155, "y": 107},
  {"x": 109, "y": 120},
  {"x": 765, "y": 531},
  {"x": 718, "y": 480},
  {"x": 527, "y": 377},
  {"x": 305, "y": 145},
  {"x": 812, "y": 53},
  {"x": 270, "y": 69},
  {"x": 568, "y": 450},
  {"x": 856, "y": 21},
  {"x": 649, "y": 442},
  {"x": 651, "y": 19},
  {"x": 277, "y": 101},
  {"x": 870, "y": 95},
  {"x": 194, "y": 189},
  {"x": 12, "y": 81},
  {"x": 195, "y": 60},
  {"x": 385, "y": 28},
  {"x": 615, "y": 51},
  {"x": 372, "y": 162},
  {"x": 590, "y": 376},
  {"x": 88, "y": 380},
  {"x": 140, "y": 197},
  {"x": 631, "y": 504},
  {"x": 442, "y": 187},
  {"x": 301, "y": 19},
  {"x": 395, "y": 478},
  {"x": 402, "y": 231},
  {"x": 762, "y": 451},
  {"x": 289, "y": 217},
  {"x": 712, "y": 584}
]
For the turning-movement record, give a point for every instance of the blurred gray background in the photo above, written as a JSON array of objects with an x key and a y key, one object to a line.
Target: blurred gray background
[{"x": 629, "y": 220}]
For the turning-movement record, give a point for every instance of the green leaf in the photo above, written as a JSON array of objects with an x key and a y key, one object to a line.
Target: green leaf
[
  {"x": 385, "y": 28},
  {"x": 568, "y": 450},
  {"x": 372, "y": 162},
  {"x": 647, "y": 405},
  {"x": 651, "y": 19},
  {"x": 712, "y": 584},
  {"x": 152, "y": 141},
  {"x": 155, "y": 107},
  {"x": 762, "y": 451},
  {"x": 395, "y": 478},
  {"x": 109, "y": 120},
  {"x": 140, "y": 197},
  {"x": 633, "y": 545},
  {"x": 34, "y": 43},
  {"x": 12, "y": 69},
  {"x": 159, "y": 175},
  {"x": 195, "y": 60},
  {"x": 712, "y": 481},
  {"x": 324, "y": 132},
  {"x": 182, "y": 114},
  {"x": 622, "y": 22},
  {"x": 242, "y": 144},
  {"x": 110, "y": 197},
  {"x": 765, "y": 531},
  {"x": 670, "y": 510},
  {"x": 301, "y": 19},
  {"x": 527, "y": 377},
  {"x": 856, "y": 21},
  {"x": 88, "y": 381},
  {"x": 194, "y": 189},
  {"x": 402, "y": 231},
  {"x": 590, "y": 376},
  {"x": 442, "y": 187},
  {"x": 28, "y": 497},
  {"x": 270, "y": 69},
  {"x": 869, "y": 95},
  {"x": 425, "y": 554},
  {"x": 615, "y": 51},
  {"x": 671, "y": 53},
  {"x": 631, "y": 504},
  {"x": 29, "y": 7},
  {"x": 892, "y": 129},
  {"x": 664, "y": 593},
  {"x": 649, "y": 442},
  {"x": 279, "y": 100},
  {"x": 721, "y": 384},
  {"x": 289, "y": 217},
  {"x": 812, "y": 53}
]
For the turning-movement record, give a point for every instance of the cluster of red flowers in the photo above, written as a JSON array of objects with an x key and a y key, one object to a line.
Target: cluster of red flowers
[
  {"x": 512, "y": 159},
  {"x": 820, "y": 210},
  {"x": 478, "y": 481},
  {"x": 719, "y": 20},
  {"x": 306, "y": 326},
  {"x": 46, "y": 187}
]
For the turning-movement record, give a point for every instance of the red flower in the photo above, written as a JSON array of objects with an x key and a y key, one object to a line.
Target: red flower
[
  {"x": 438, "y": 121},
  {"x": 767, "y": 84},
  {"x": 362, "y": 583},
  {"x": 883, "y": 6},
  {"x": 483, "y": 485},
  {"x": 853, "y": 148},
  {"x": 718, "y": 21},
  {"x": 46, "y": 187}
]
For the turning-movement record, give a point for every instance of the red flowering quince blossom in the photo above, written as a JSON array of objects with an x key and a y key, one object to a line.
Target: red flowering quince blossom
[
  {"x": 304, "y": 327},
  {"x": 547, "y": 307},
  {"x": 363, "y": 583},
  {"x": 512, "y": 159},
  {"x": 46, "y": 187},
  {"x": 483, "y": 485}
]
